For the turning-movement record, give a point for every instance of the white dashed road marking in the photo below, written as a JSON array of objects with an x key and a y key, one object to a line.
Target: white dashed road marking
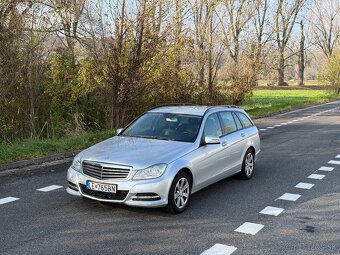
[
  {"x": 220, "y": 249},
  {"x": 269, "y": 210},
  {"x": 289, "y": 197},
  {"x": 284, "y": 124},
  {"x": 334, "y": 162},
  {"x": 303, "y": 185},
  {"x": 249, "y": 228},
  {"x": 338, "y": 156},
  {"x": 316, "y": 176},
  {"x": 8, "y": 200},
  {"x": 270, "y": 127},
  {"x": 326, "y": 168},
  {"x": 277, "y": 125},
  {"x": 50, "y": 188},
  {"x": 263, "y": 129}
]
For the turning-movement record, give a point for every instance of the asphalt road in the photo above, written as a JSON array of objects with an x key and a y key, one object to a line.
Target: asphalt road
[{"x": 54, "y": 222}]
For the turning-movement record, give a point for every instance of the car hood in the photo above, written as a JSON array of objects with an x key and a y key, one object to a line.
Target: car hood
[{"x": 139, "y": 153}]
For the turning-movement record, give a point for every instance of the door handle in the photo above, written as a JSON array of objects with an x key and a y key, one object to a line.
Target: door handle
[
  {"x": 243, "y": 134},
  {"x": 224, "y": 143}
]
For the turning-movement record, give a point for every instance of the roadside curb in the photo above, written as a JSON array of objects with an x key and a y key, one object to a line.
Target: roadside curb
[{"x": 37, "y": 161}]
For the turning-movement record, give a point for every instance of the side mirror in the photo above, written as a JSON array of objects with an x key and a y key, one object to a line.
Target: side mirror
[
  {"x": 119, "y": 130},
  {"x": 211, "y": 140}
]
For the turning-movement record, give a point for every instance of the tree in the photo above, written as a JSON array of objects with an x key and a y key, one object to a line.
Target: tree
[
  {"x": 203, "y": 13},
  {"x": 68, "y": 13},
  {"x": 324, "y": 20},
  {"x": 129, "y": 43},
  {"x": 301, "y": 55},
  {"x": 241, "y": 70},
  {"x": 285, "y": 16}
]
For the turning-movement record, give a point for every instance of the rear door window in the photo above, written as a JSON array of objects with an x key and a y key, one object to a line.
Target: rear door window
[
  {"x": 244, "y": 120},
  {"x": 228, "y": 122}
]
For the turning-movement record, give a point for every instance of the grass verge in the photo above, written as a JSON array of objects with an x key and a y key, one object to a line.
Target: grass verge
[
  {"x": 263, "y": 102},
  {"x": 32, "y": 148}
]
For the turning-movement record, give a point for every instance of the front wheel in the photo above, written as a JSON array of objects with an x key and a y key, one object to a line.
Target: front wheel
[
  {"x": 179, "y": 193},
  {"x": 248, "y": 165}
]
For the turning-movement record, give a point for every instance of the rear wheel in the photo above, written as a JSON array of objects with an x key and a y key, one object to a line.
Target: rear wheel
[
  {"x": 248, "y": 165},
  {"x": 179, "y": 193}
]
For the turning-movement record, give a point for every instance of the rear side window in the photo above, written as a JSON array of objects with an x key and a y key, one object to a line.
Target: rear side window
[
  {"x": 212, "y": 126},
  {"x": 238, "y": 122},
  {"x": 244, "y": 119},
  {"x": 228, "y": 122}
]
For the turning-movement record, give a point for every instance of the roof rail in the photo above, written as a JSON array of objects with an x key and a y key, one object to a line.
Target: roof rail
[
  {"x": 220, "y": 106},
  {"x": 171, "y": 104}
]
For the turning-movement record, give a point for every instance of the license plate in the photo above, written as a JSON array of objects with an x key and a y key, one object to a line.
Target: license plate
[{"x": 103, "y": 187}]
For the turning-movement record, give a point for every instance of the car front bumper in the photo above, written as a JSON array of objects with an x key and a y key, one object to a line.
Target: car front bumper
[{"x": 141, "y": 193}]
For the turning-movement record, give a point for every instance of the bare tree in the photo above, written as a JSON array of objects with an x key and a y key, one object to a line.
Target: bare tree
[
  {"x": 207, "y": 44},
  {"x": 262, "y": 29},
  {"x": 235, "y": 20},
  {"x": 301, "y": 55},
  {"x": 324, "y": 19},
  {"x": 285, "y": 17},
  {"x": 69, "y": 13},
  {"x": 241, "y": 66}
]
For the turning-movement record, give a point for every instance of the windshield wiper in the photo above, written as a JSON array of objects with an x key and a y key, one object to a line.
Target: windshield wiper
[
  {"x": 152, "y": 137},
  {"x": 144, "y": 136},
  {"x": 164, "y": 138}
]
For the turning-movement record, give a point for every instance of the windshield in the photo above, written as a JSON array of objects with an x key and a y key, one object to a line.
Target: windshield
[{"x": 165, "y": 126}]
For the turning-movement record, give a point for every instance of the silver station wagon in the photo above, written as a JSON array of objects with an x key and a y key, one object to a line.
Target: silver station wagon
[{"x": 165, "y": 155}]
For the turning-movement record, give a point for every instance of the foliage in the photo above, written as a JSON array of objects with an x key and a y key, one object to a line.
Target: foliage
[
  {"x": 241, "y": 80},
  {"x": 68, "y": 68},
  {"x": 331, "y": 72}
]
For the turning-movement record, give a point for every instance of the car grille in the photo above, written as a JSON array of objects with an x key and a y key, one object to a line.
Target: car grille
[
  {"x": 120, "y": 195},
  {"x": 104, "y": 171}
]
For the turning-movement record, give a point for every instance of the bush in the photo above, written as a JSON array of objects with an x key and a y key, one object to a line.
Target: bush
[
  {"x": 332, "y": 72},
  {"x": 241, "y": 80}
]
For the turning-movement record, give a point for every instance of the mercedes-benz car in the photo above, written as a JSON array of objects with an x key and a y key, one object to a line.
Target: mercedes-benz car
[{"x": 165, "y": 155}]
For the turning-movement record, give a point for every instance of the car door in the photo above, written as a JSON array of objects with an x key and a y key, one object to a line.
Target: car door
[
  {"x": 247, "y": 133},
  {"x": 208, "y": 159},
  {"x": 232, "y": 141}
]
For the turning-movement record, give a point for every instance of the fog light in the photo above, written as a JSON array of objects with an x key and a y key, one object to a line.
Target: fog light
[{"x": 146, "y": 197}]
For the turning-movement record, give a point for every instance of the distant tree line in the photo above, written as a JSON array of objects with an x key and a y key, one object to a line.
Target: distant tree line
[{"x": 71, "y": 66}]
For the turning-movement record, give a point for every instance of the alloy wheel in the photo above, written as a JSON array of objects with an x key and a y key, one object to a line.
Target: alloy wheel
[
  {"x": 249, "y": 163},
  {"x": 181, "y": 192}
]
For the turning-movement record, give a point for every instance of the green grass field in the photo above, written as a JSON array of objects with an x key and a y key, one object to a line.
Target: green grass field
[{"x": 263, "y": 102}]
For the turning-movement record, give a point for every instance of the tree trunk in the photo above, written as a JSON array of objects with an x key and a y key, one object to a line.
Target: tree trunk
[
  {"x": 301, "y": 57},
  {"x": 201, "y": 70},
  {"x": 30, "y": 89},
  {"x": 281, "y": 70}
]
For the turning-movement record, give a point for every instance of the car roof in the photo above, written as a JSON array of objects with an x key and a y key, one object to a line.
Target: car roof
[{"x": 192, "y": 110}]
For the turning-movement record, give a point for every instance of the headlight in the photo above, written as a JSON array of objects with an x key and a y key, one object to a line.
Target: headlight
[
  {"x": 151, "y": 172},
  {"x": 76, "y": 165}
]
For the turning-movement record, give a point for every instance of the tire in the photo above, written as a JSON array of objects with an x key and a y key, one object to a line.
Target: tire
[
  {"x": 178, "y": 200},
  {"x": 248, "y": 165}
]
